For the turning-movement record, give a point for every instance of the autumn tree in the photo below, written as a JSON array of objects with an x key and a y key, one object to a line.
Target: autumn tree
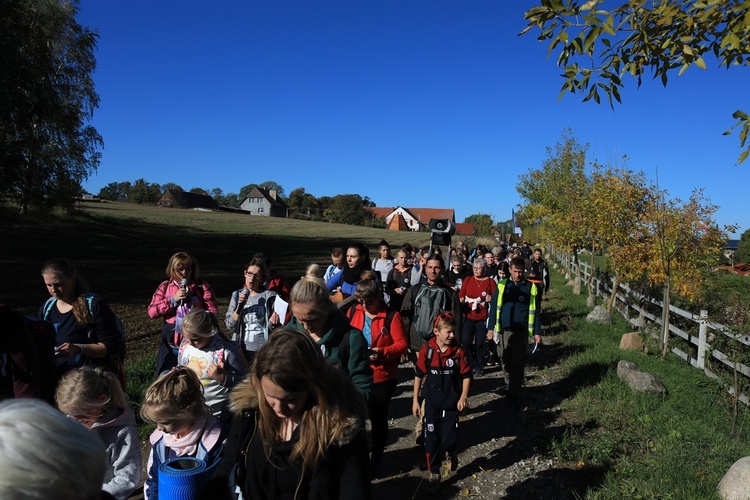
[
  {"x": 681, "y": 241},
  {"x": 597, "y": 48},
  {"x": 555, "y": 194},
  {"x": 615, "y": 202},
  {"x": 47, "y": 97}
]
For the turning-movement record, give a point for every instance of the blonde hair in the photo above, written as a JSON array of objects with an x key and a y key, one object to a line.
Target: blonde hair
[
  {"x": 445, "y": 320},
  {"x": 313, "y": 293},
  {"x": 334, "y": 411},
  {"x": 200, "y": 323},
  {"x": 313, "y": 270},
  {"x": 185, "y": 261},
  {"x": 89, "y": 391},
  {"x": 176, "y": 397}
]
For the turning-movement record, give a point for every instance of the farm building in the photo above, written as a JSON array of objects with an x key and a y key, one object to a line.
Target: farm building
[
  {"x": 411, "y": 219},
  {"x": 264, "y": 202},
  {"x": 183, "y": 199}
]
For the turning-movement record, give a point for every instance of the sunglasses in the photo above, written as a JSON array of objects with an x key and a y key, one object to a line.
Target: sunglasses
[{"x": 443, "y": 315}]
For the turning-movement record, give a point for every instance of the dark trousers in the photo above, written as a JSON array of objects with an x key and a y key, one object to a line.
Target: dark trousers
[
  {"x": 473, "y": 338},
  {"x": 380, "y": 401},
  {"x": 440, "y": 435},
  {"x": 513, "y": 349},
  {"x": 166, "y": 358}
]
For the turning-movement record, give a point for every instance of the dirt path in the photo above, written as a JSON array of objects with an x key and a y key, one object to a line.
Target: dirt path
[{"x": 504, "y": 452}]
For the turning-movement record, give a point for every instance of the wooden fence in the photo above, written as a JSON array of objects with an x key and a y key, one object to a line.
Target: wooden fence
[{"x": 630, "y": 304}]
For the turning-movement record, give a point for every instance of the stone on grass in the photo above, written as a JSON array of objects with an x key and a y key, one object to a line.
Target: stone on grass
[
  {"x": 638, "y": 380},
  {"x": 631, "y": 342},
  {"x": 599, "y": 315},
  {"x": 735, "y": 484},
  {"x": 555, "y": 266},
  {"x": 577, "y": 286}
]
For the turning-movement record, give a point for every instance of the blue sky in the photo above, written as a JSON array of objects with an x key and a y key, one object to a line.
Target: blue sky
[{"x": 422, "y": 103}]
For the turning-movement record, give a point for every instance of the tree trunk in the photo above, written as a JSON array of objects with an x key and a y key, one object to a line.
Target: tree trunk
[
  {"x": 664, "y": 339},
  {"x": 591, "y": 269},
  {"x": 613, "y": 295}
]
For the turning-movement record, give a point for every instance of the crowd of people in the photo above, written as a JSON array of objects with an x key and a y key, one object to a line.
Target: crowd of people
[{"x": 275, "y": 404}]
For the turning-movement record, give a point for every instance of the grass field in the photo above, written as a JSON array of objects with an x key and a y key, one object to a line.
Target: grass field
[{"x": 122, "y": 251}]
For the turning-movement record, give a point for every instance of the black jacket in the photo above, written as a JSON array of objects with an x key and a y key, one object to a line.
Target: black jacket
[{"x": 343, "y": 472}]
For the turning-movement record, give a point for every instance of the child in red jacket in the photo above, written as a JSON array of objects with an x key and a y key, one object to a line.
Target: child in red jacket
[{"x": 447, "y": 374}]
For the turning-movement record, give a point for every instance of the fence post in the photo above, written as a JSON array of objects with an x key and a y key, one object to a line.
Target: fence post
[{"x": 702, "y": 331}]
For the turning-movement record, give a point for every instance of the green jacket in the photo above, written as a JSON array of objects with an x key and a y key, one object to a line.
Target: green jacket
[{"x": 345, "y": 348}]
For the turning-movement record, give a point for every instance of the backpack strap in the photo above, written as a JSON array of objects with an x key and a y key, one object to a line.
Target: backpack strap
[{"x": 48, "y": 307}]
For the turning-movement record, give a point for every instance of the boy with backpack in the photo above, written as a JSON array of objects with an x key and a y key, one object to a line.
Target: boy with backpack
[
  {"x": 446, "y": 372},
  {"x": 422, "y": 303}
]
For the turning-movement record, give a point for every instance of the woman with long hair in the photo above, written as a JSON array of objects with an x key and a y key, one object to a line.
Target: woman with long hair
[
  {"x": 357, "y": 261},
  {"x": 173, "y": 299},
  {"x": 86, "y": 331},
  {"x": 343, "y": 346},
  {"x": 298, "y": 429}
]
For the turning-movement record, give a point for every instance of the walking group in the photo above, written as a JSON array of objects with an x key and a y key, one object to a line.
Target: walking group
[{"x": 275, "y": 402}]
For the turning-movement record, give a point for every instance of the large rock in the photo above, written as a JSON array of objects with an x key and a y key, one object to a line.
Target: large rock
[
  {"x": 555, "y": 265},
  {"x": 735, "y": 484},
  {"x": 599, "y": 315},
  {"x": 638, "y": 380},
  {"x": 631, "y": 342}
]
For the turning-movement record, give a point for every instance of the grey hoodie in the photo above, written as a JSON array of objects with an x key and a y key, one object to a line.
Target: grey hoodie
[{"x": 117, "y": 431}]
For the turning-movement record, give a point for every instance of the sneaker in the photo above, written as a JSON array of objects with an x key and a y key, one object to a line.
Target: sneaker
[{"x": 433, "y": 484}]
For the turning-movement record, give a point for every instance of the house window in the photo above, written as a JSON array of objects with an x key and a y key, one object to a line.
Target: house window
[{"x": 260, "y": 210}]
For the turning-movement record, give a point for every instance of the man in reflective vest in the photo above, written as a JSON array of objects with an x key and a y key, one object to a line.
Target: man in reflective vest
[{"x": 514, "y": 319}]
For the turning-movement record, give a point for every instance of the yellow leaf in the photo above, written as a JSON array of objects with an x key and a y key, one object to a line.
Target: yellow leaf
[
  {"x": 700, "y": 63},
  {"x": 580, "y": 465}
]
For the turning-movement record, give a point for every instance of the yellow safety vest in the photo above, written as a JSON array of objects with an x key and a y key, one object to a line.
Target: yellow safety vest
[{"x": 498, "y": 307}]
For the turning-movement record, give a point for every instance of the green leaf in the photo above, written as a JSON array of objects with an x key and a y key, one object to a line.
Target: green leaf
[
  {"x": 588, "y": 5},
  {"x": 739, "y": 115},
  {"x": 742, "y": 157},
  {"x": 700, "y": 63}
]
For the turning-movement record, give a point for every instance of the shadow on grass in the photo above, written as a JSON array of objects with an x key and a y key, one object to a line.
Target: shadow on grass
[{"x": 559, "y": 483}]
